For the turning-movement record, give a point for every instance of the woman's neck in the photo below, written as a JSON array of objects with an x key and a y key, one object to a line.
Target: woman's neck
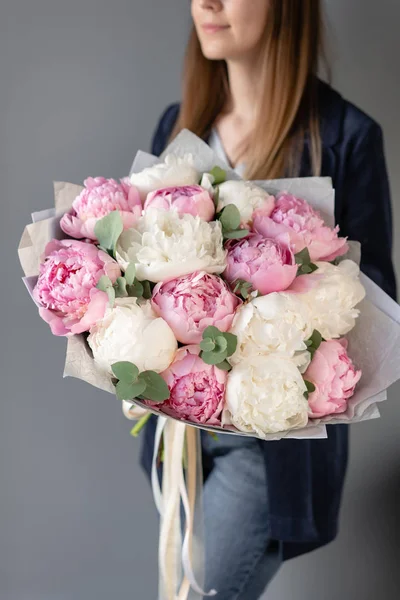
[{"x": 244, "y": 85}]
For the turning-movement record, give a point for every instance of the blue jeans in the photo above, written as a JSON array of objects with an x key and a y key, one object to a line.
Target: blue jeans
[{"x": 241, "y": 559}]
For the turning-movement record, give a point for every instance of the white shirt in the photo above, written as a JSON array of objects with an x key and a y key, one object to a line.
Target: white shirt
[{"x": 215, "y": 144}]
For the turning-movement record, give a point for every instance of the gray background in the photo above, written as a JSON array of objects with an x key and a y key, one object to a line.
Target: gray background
[{"x": 81, "y": 86}]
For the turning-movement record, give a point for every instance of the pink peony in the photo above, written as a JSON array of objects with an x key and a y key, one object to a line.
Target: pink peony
[
  {"x": 66, "y": 287},
  {"x": 197, "y": 389},
  {"x": 268, "y": 264},
  {"x": 99, "y": 198},
  {"x": 334, "y": 376},
  {"x": 304, "y": 226},
  {"x": 187, "y": 199},
  {"x": 191, "y": 303}
]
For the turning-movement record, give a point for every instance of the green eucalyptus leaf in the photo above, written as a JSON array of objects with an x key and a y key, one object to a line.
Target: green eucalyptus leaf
[
  {"x": 231, "y": 340},
  {"x": 125, "y": 371},
  {"x": 305, "y": 269},
  {"x": 213, "y": 358},
  {"x": 237, "y": 284},
  {"x": 104, "y": 283},
  {"x": 130, "y": 273},
  {"x": 156, "y": 389},
  {"x": 310, "y": 386},
  {"x": 224, "y": 366},
  {"x": 120, "y": 288},
  {"x": 211, "y": 332},
  {"x": 303, "y": 257},
  {"x": 216, "y": 197},
  {"x": 316, "y": 339},
  {"x": 220, "y": 344},
  {"x": 108, "y": 229},
  {"x": 146, "y": 289},
  {"x": 111, "y": 296},
  {"x": 235, "y": 235},
  {"x": 207, "y": 345},
  {"x": 128, "y": 391},
  {"x": 230, "y": 217},
  {"x": 135, "y": 290},
  {"x": 218, "y": 174}
]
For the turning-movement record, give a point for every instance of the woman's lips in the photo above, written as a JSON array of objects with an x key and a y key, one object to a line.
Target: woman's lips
[{"x": 214, "y": 28}]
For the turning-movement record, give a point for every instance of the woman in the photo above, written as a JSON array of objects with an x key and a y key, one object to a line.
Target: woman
[{"x": 251, "y": 91}]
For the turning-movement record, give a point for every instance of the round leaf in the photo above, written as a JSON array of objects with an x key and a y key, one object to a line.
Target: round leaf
[
  {"x": 146, "y": 290},
  {"x": 120, "y": 288},
  {"x": 218, "y": 174},
  {"x": 221, "y": 344},
  {"x": 230, "y": 217},
  {"x": 231, "y": 339},
  {"x": 156, "y": 389},
  {"x": 111, "y": 296},
  {"x": 125, "y": 371},
  {"x": 224, "y": 366},
  {"x": 135, "y": 290},
  {"x": 108, "y": 229},
  {"x": 207, "y": 345},
  {"x": 104, "y": 283},
  {"x": 130, "y": 273},
  {"x": 213, "y": 358},
  {"x": 236, "y": 235},
  {"x": 128, "y": 391},
  {"x": 211, "y": 332}
]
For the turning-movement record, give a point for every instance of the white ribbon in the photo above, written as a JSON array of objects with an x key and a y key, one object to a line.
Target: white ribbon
[
  {"x": 173, "y": 555},
  {"x": 192, "y": 549}
]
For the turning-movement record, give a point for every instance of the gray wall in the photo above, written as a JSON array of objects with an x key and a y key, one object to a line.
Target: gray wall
[{"x": 81, "y": 85}]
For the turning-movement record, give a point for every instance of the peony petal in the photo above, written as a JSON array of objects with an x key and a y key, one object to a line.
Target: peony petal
[
  {"x": 94, "y": 313},
  {"x": 56, "y": 322}
]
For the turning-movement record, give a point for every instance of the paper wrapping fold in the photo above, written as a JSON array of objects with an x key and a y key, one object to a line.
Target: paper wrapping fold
[{"x": 45, "y": 226}]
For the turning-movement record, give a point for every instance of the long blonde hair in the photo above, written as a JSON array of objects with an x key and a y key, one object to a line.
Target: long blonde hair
[{"x": 293, "y": 44}]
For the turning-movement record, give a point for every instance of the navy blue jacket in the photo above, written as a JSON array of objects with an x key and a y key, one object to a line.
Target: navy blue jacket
[{"x": 305, "y": 477}]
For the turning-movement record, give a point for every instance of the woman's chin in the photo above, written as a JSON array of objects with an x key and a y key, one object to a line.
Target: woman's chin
[{"x": 215, "y": 51}]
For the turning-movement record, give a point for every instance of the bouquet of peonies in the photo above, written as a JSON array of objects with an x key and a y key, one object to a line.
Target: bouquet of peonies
[{"x": 230, "y": 305}]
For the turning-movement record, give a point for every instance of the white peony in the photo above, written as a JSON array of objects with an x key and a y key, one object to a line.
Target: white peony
[
  {"x": 265, "y": 395},
  {"x": 278, "y": 323},
  {"x": 334, "y": 298},
  {"x": 174, "y": 171},
  {"x": 165, "y": 245},
  {"x": 247, "y": 197},
  {"x": 132, "y": 333}
]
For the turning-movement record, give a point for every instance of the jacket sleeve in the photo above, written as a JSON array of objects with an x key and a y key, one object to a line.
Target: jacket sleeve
[
  {"x": 164, "y": 129},
  {"x": 367, "y": 215}
]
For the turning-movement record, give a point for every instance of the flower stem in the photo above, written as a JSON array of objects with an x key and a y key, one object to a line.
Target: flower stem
[{"x": 137, "y": 428}]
